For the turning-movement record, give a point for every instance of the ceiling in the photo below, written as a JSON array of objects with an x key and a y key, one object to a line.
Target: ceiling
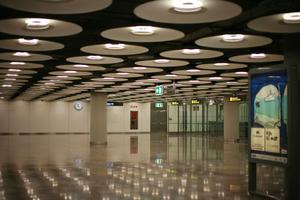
[{"x": 72, "y": 57}]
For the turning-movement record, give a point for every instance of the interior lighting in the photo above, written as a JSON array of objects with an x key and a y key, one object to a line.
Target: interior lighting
[
  {"x": 37, "y": 24},
  {"x": 233, "y": 37},
  {"x": 142, "y": 30},
  {"x": 258, "y": 55},
  {"x": 22, "y": 54},
  {"x": 291, "y": 18},
  {"x": 191, "y": 51},
  {"x": 187, "y": 6},
  {"x": 29, "y": 42},
  {"x": 115, "y": 46}
]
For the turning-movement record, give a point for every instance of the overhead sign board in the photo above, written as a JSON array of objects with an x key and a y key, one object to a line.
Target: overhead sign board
[{"x": 159, "y": 90}]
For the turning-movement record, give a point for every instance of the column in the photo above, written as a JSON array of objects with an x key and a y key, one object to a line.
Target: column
[
  {"x": 98, "y": 131},
  {"x": 231, "y": 120}
]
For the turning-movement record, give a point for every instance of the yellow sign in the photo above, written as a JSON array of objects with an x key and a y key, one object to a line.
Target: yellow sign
[
  {"x": 174, "y": 103},
  {"x": 195, "y": 101},
  {"x": 234, "y": 99}
]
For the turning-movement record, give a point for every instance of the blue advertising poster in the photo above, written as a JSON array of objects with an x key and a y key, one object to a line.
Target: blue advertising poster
[{"x": 268, "y": 104}]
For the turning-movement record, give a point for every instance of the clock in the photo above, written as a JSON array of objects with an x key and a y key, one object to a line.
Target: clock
[{"x": 78, "y": 106}]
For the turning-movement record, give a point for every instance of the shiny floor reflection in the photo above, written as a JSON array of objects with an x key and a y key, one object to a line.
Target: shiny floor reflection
[{"x": 131, "y": 166}]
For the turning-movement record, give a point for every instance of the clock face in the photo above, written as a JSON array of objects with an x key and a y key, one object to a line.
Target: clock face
[{"x": 78, "y": 106}]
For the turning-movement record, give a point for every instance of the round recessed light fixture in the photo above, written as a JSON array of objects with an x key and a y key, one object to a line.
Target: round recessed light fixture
[
  {"x": 233, "y": 37},
  {"x": 70, "y": 72},
  {"x": 37, "y": 24},
  {"x": 22, "y": 54},
  {"x": 161, "y": 61},
  {"x": 139, "y": 68},
  {"x": 291, "y": 18},
  {"x": 14, "y": 70},
  {"x": 171, "y": 75},
  {"x": 194, "y": 81},
  {"x": 241, "y": 73},
  {"x": 215, "y": 78},
  {"x": 122, "y": 73},
  {"x": 188, "y": 6},
  {"x": 94, "y": 57},
  {"x": 10, "y": 79},
  {"x": 193, "y": 70},
  {"x": 6, "y": 85},
  {"x": 29, "y": 42},
  {"x": 221, "y": 64},
  {"x": 12, "y": 75},
  {"x": 258, "y": 55},
  {"x": 62, "y": 76},
  {"x": 191, "y": 51},
  {"x": 114, "y": 46},
  {"x": 81, "y": 66},
  {"x": 108, "y": 78},
  {"x": 17, "y": 63},
  {"x": 142, "y": 30}
]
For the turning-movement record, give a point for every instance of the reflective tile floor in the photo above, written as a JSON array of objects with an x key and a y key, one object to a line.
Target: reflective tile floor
[{"x": 130, "y": 167}]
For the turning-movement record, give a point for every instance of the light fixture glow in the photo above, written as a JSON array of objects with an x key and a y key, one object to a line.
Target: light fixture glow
[
  {"x": 188, "y": 6},
  {"x": 194, "y": 81},
  {"x": 142, "y": 30},
  {"x": 215, "y": 78},
  {"x": 233, "y": 37},
  {"x": 14, "y": 70},
  {"x": 258, "y": 55},
  {"x": 12, "y": 75},
  {"x": 139, "y": 68},
  {"x": 49, "y": 83},
  {"x": 114, "y": 46},
  {"x": 161, "y": 61},
  {"x": 291, "y": 18},
  {"x": 191, "y": 51},
  {"x": 153, "y": 79},
  {"x": 22, "y": 54},
  {"x": 6, "y": 85},
  {"x": 241, "y": 73},
  {"x": 94, "y": 57},
  {"x": 193, "y": 70},
  {"x": 171, "y": 75},
  {"x": 81, "y": 66},
  {"x": 108, "y": 78},
  {"x": 122, "y": 73},
  {"x": 221, "y": 64},
  {"x": 29, "y": 42},
  {"x": 10, "y": 79},
  {"x": 17, "y": 63},
  {"x": 70, "y": 72},
  {"x": 37, "y": 24},
  {"x": 231, "y": 82},
  {"x": 62, "y": 76}
]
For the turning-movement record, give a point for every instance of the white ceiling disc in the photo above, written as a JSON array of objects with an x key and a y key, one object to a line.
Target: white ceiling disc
[
  {"x": 80, "y": 67},
  {"x": 57, "y": 6},
  {"x": 235, "y": 74},
  {"x": 215, "y": 78},
  {"x": 17, "y": 80},
  {"x": 248, "y": 58},
  {"x": 18, "y": 71},
  {"x": 17, "y": 77},
  {"x": 170, "y": 11},
  {"x": 162, "y": 63},
  {"x": 182, "y": 54},
  {"x": 277, "y": 23},
  {"x": 55, "y": 28},
  {"x": 193, "y": 72},
  {"x": 122, "y": 75},
  {"x": 70, "y": 73},
  {"x": 94, "y": 60},
  {"x": 22, "y": 44},
  {"x": 23, "y": 56},
  {"x": 65, "y": 78},
  {"x": 170, "y": 77},
  {"x": 221, "y": 66},
  {"x": 20, "y": 65},
  {"x": 114, "y": 49},
  {"x": 194, "y": 82},
  {"x": 233, "y": 41},
  {"x": 156, "y": 34},
  {"x": 109, "y": 79},
  {"x": 142, "y": 70}
]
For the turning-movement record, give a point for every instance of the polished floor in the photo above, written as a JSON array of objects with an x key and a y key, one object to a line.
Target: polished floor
[{"x": 131, "y": 166}]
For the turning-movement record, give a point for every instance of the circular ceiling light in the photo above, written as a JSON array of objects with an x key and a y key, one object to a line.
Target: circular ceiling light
[
  {"x": 194, "y": 81},
  {"x": 221, "y": 64},
  {"x": 70, "y": 72},
  {"x": 29, "y": 42},
  {"x": 142, "y": 30},
  {"x": 14, "y": 70},
  {"x": 37, "y": 24},
  {"x": 94, "y": 57},
  {"x": 241, "y": 73},
  {"x": 11, "y": 75},
  {"x": 191, "y": 51},
  {"x": 171, "y": 75},
  {"x": 258, "y": 55},
  {"x": 81, "y": 66},
  {"x": 17, "y": 63},
  {"x": 6, "y": 85},
  {"x": 291, "y": 18},
  {"x": 122, "y": 73},
  {"x": 161, "y": 61},
  {"x": 193, "y": 70},
  {"x": 188, "y": 6},
  {"x": 139, "y": 68},
  {"x": 233, "y": 37},
  {"x": 22, "y": 54},
  {"x": 114, "y": 46},
  {"x": 10, "y": 79},
  {"x": 108, "y": 78},
  {"x": 62, "y": 76},
  {"x": 215, "y": 78}
]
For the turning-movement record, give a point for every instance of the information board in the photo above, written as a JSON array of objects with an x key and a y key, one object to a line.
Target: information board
[{"x": 268, "y": 108}]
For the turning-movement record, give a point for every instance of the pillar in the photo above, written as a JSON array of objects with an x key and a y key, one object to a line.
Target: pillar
[
  {"x": 98, "y": 131},
  {"x": 231, "y": 121}
]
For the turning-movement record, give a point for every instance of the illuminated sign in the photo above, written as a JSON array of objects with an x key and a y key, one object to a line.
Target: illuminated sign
[
  {"x": 159, "y": 90},
  {"x": 234, "y": 99},
  {"x": 195, "y": 101},
  {"x": 159, "y": 105},
  {"x": 174, "y": 103}
]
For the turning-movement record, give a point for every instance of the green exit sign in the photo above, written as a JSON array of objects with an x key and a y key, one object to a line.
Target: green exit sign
[
  {"x": 159, "y": 105},
  {"x": 159, "y": 90}
]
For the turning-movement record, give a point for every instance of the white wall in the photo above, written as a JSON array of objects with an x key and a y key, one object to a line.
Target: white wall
[
  {"x": 118, "y": 117},
  {"x": 39, "y": 116},
  {"x": 61, "y": 117}
]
